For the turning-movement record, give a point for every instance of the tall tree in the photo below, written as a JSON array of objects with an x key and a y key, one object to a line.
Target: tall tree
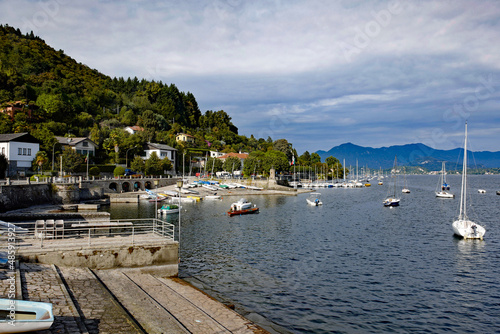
[
  {"x": 153, "y": 165},
  {"x": 231, "y": 164}
]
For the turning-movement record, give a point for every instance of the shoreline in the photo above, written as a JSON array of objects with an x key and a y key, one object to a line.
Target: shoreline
[{"x": 255, "y": 322}]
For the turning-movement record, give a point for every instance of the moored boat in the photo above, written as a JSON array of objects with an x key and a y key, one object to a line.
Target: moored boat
[
  {"x": 169, "y": 209},
  {"x": 391, "y": 198},
  {"x": 463, "y": 226},
  {"x": 21, "y": 316},
  {"x": 242, "y": 207},
  {"x": 443, "y": 192}
]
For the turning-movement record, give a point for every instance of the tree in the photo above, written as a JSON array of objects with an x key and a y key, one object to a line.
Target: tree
[
  {"x": 305, "y": 159},
  {"x": 166, "y": 164},
  {"x": 330, "y": 161},
  {"x": 119, "y": 171},
  {"x": 315, "y": 158},
  {"x": 153, "y": 165},
  {"x": 114, "y": 143},
  {"x": 214, "y": 165},
  {"x": 94, "y": 171},
  {"x": 40, "y": 161},
  {"x": 275, "y": 159},
  {"x": 138, "y": 164},
  {"x": 71, "y": 160},
  {"x": 231, "y": 164},
  {"x": 284, "y": 146}
]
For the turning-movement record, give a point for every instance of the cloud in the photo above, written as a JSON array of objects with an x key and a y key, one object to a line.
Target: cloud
[{"x": 315, "y": 72}]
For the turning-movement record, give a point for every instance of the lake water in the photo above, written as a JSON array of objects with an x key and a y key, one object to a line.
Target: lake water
[{"x": 351, "y": 265}]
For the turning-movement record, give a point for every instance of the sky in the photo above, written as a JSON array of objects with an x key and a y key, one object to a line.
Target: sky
[{"x": 318, "y": 73}]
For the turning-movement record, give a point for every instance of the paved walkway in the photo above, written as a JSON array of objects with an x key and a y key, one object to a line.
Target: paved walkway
[{"x": 124, "y": 301}]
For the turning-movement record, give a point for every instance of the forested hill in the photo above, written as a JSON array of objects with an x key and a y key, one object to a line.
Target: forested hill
[{"x": 60, "y": 96}]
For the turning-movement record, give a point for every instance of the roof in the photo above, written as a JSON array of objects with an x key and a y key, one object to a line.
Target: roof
[
  {"x": 23, "y": 137},
  {"x": 74, "y": 140},
  {"x": 161, "y": 147},
  {"x": 184, "y": 134},
  {"x": 238, "y": 155},
  {"x": 135, "y": 128}
]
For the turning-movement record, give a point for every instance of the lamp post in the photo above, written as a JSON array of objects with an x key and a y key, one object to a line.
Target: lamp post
[
  {"x": 179, "y": 185},
  {"x": 53, "y": 146},
  {"x": 126, "y": 156}
]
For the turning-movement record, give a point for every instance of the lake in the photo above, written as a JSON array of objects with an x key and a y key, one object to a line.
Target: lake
[{"x": 351, "y": 265}]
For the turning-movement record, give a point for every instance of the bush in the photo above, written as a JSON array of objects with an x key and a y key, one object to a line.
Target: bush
[
  {"x": 119, "y": 171},
  {"x": 94, "y": 171}
]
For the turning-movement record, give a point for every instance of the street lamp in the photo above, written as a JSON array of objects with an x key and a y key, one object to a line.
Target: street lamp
[
  {"x": 126, "y": 156},
  {"x": 179, "y": 185},
  {"x": 53, "y": 146}
]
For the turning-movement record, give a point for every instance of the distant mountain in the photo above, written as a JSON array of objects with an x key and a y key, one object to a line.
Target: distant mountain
[{"x": 408, "y": 155}]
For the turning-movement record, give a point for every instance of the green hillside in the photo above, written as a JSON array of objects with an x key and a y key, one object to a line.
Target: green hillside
[{"x": 61, "y": 96}]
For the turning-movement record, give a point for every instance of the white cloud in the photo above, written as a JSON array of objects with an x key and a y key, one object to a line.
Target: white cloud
[{"x": 276, "y": 66}]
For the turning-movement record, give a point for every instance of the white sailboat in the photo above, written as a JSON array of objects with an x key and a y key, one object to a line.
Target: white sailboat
[
  {"x": 443, "y": 188},
  {"x": 392, "y": 199},
  {"x": 463, "y": 226}
]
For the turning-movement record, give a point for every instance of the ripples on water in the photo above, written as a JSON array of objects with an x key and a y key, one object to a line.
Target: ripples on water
[{"x": 351, "y": 266}]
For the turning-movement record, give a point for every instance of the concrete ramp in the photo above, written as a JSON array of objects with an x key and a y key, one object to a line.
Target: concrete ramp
[{"x": 172, "y": 306}]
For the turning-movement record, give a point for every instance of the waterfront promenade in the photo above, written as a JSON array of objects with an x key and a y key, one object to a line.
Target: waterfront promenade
[{"x": 123, "y": 301}]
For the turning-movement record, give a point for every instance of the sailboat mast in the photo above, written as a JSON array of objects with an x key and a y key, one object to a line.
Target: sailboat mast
[{"x": 463, "y": 198}]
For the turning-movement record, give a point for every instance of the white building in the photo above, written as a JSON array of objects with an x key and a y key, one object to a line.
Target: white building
[
  {"x": 215, "y": 154},
  {"x": 82, "y": 145},
  {"x": 20, "y": 149},
  {"x": 133, "y": 129},
  {"x": 162, "y": 151}
]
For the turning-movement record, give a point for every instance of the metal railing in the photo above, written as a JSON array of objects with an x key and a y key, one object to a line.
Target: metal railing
[{"x": 60, "y": 234}]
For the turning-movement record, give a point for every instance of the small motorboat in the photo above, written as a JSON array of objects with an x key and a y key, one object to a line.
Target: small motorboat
[
  {"x": 157, "y": 199},
  {"x": 444, "y": 194},
  {"x": 481, "y": 191},
  {"x": 21, "y": 316},
  {"x": 405, "y": 191},
  {"x": 212, "y": 197},
  {"x": 242, "y": 207},
  {"x": 169, "y": 209},
  {"x": 314, "y": 199}
]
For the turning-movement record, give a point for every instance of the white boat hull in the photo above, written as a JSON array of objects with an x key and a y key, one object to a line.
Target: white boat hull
[
  {"x": 444, "y": 194},
  {"x": 212, "y": 197},
  {"x": 468, "y": 229},
  {"x": 29, "y": 316},
  {"x": 313, "y": 202}
]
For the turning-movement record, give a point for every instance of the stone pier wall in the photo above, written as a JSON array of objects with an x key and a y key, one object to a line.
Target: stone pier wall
[
  {"x": 145, "y": 257},
  {"x": 23, "y": 196}
]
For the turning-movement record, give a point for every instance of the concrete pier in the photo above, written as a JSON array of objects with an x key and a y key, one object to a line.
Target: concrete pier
[{"x": 124, "y": 301}]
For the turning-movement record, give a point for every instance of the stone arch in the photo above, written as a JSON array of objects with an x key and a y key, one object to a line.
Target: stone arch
[
  {"x": 125, "y": 187},
  {"x": 137, "y": 186},
  {"x": 148, "y": 185},
  {"x": 113, "y": 186}
]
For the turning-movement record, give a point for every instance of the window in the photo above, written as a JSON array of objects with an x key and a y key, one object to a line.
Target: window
[
  {"x": 19, "y": 151},
  {"x": 29, "y": 151},
  {"x": 3, "y": 150},
  {"x": 85, "y": 144},
  {"x": 24, "y": 151}
]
